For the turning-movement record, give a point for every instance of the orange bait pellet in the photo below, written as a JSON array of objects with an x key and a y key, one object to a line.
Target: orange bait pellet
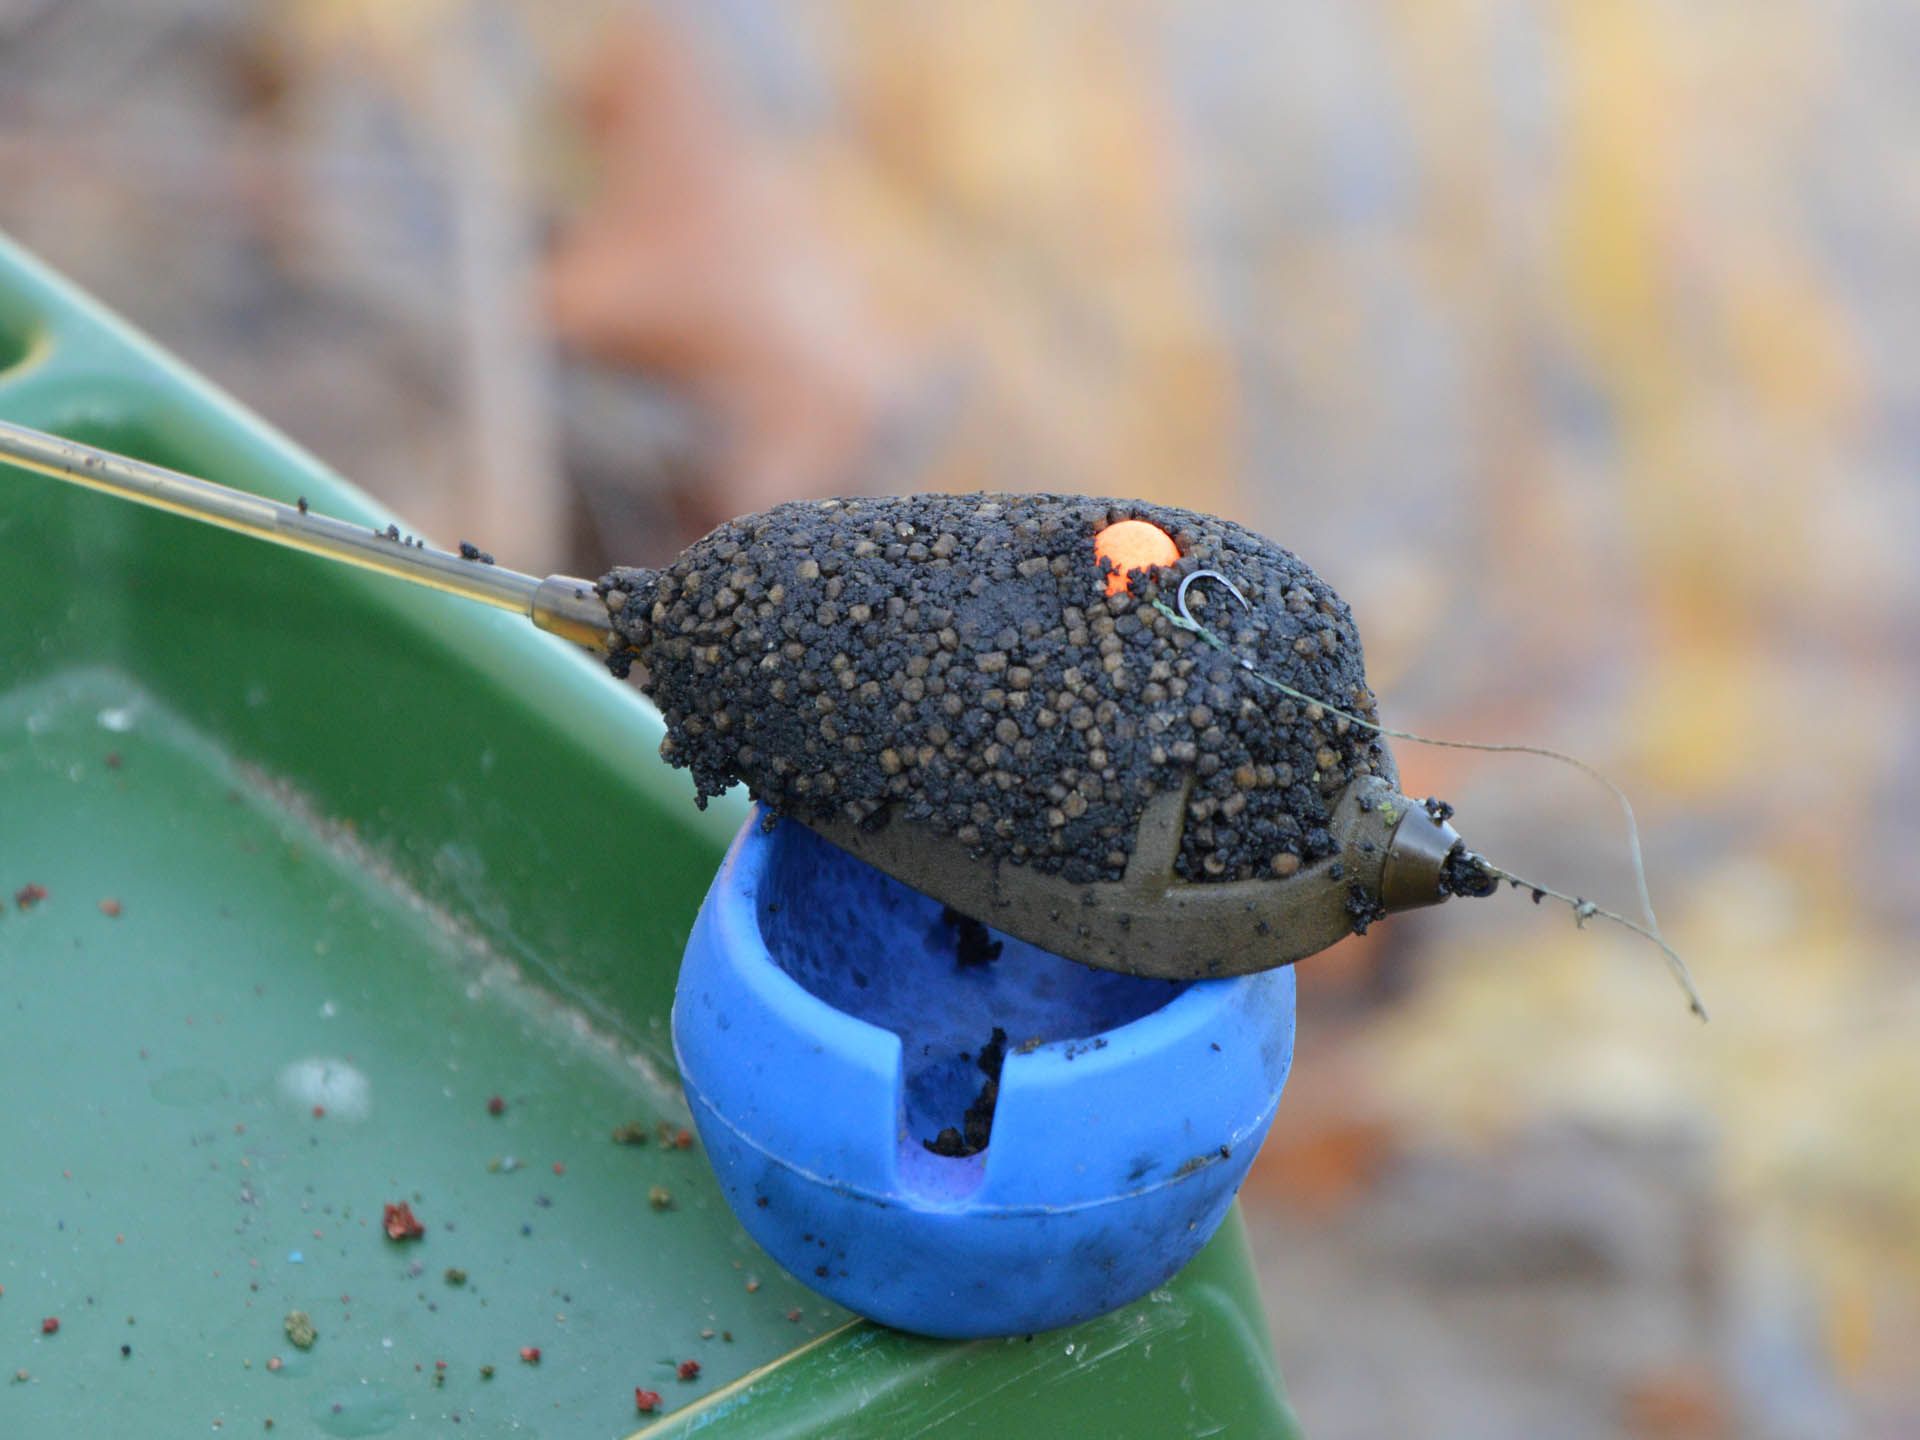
[{"x": 1129, "y": 545}]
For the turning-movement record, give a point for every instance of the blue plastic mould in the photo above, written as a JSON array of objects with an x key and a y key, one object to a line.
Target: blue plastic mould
[{"x": 827, "y": 1027}]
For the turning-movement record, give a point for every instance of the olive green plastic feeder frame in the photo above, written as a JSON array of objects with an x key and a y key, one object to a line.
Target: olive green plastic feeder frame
[{"x": 330, "y": 861}]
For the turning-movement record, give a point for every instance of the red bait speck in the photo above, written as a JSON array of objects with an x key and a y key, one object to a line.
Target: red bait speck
[{"x": 400, "y": 1222}]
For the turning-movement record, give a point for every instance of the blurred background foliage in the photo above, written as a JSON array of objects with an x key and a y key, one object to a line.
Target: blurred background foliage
[{"x": 1577, "y": 342}]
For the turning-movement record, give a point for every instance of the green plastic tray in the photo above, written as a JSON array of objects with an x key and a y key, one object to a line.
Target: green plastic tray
[{"x": 375, "y": 857}]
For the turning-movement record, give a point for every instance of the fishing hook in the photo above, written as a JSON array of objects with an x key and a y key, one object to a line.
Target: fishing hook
[{"x": 1180, "y": 595}]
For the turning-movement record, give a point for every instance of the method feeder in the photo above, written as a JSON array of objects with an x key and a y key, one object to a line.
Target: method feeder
[{"x": 1009, "y": 703}]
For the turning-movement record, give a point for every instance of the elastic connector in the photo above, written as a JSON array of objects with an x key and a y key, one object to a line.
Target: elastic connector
[{"x": 569, "y": 607}]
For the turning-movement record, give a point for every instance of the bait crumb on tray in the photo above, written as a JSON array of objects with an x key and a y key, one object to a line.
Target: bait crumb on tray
[{"x": 400, "y": 1223}]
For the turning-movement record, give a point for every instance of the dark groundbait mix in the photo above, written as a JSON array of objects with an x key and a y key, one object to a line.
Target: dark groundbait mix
[{"x": 954, "y": 659}]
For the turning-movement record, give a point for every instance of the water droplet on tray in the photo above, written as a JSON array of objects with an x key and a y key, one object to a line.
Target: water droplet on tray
[{"x": 343, "y": 1091}]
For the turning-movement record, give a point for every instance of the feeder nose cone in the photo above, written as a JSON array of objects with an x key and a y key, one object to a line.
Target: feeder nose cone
[{"x": 1416, "y": 860}]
